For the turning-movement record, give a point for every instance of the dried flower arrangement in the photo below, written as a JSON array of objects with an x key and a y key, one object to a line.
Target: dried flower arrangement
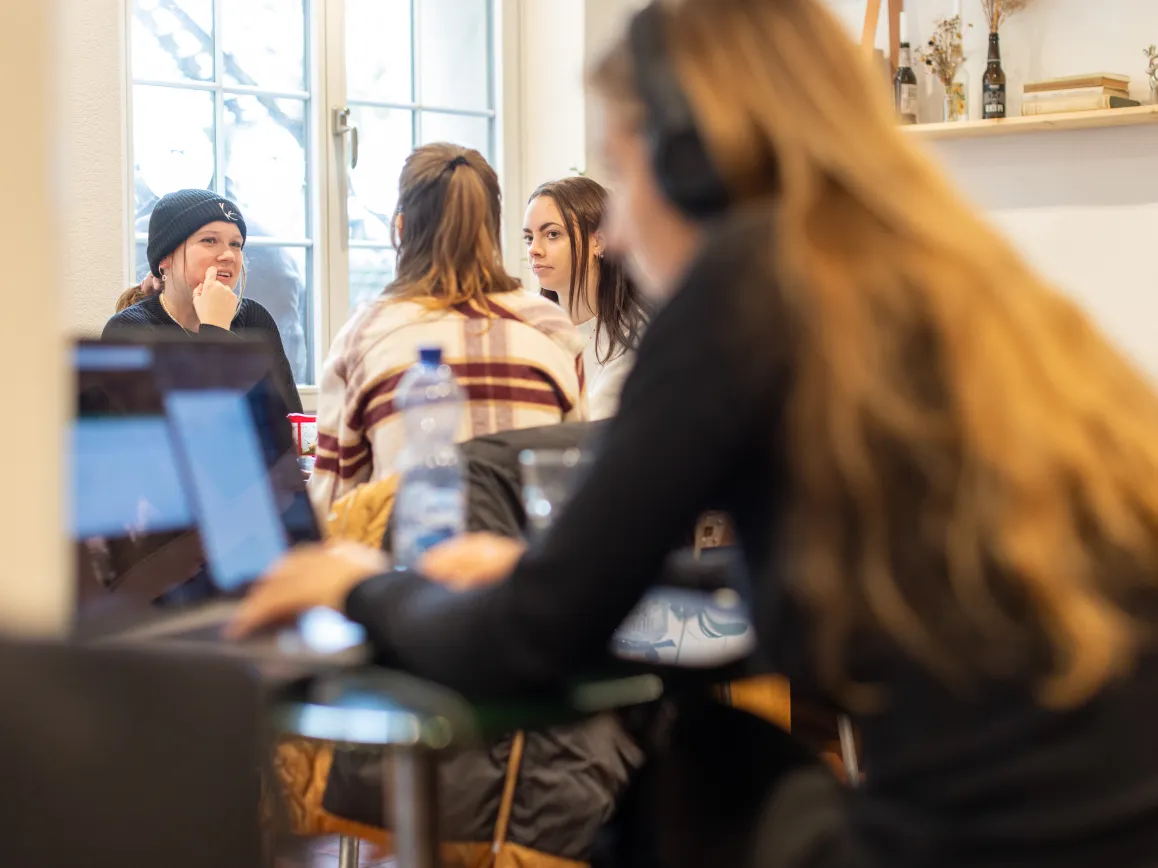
[
  {"x": 997, "y": 11},
  {"x": 944, "y": 53}
]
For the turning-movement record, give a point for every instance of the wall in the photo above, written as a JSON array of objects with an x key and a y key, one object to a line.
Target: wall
[
  {"x": 551, "y": 106},
  {"x": 94, "y": 262},
  {"x": 606, "y": 20},
  {"x": 1083, "y": 206},
  {"x": 34, "y": 575}
]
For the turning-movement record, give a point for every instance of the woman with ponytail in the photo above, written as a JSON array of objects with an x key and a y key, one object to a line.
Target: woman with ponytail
[{"x": 517, "y": 357}]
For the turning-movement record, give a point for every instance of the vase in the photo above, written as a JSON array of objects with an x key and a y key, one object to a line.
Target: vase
[{"x": 956, "y": 102}]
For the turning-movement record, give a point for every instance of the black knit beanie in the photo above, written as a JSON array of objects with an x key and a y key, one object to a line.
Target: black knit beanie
[{"x": 178, "y": 215}]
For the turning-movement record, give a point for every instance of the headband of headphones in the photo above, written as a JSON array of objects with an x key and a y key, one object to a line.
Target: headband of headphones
[{"x": 679, "y": 158}]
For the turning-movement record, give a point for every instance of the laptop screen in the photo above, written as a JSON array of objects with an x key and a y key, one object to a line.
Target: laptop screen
[
  {"x": 241, "y": 529},
  {"x": 135, "y": 505},
  {"x": 125, "y": 479}
]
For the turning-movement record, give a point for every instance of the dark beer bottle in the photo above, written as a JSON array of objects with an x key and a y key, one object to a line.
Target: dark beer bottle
[
  {"x": 993, "y": 82},
  {"x": 905, "y": 86}
]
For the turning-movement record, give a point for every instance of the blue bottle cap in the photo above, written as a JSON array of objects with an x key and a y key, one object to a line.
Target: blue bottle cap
[{"x": 430, "y": 355}]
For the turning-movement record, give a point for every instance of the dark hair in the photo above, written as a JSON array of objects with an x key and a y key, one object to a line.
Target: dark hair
[
  {"x": 450, "y": 250},
  {"x": 619, "y": 307}
]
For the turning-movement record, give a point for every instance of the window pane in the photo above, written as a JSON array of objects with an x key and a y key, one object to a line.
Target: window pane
[
  {"x": 378, "y": 50},
  {"x": 264, "y": 43},
  {"x": 140, "y": 260},
  {"x": 371, "y": 270},
  {"x": 386, "y": 139},
  {"x": 469, "y": 131},
  {"x": 265, "y": 163},
  {"x": 454, "y": 49},
  {"x": 172, "y": 143},
  {"x": 279, "y": 279},
  {"x": 172, "y": 40}
]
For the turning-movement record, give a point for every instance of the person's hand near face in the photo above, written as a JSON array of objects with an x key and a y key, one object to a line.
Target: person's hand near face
[{"x": 214, "y": 301}]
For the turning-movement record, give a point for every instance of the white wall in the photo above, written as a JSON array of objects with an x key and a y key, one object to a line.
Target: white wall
[
  {"x": 552, "y": 116},
  {"x": 93, "y": 134},
  {"x": 34, "y": 575},
  {"x": 606, "y": 20},
  {"x": 1083, "y": 206}
]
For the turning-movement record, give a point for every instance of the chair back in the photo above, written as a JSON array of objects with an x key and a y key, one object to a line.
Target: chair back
[{"x": 128, "y": 759}]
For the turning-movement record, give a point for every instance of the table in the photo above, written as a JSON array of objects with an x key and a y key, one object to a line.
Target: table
[{"x": 674, "y": 639}]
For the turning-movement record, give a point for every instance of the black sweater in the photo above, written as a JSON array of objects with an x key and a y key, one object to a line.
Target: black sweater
[
  {"x": 251, "y": 319},
  {"x": 985, "y": 779}
]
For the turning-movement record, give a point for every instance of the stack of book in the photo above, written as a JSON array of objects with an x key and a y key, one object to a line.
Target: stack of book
[{"x": 1077, "y": 93}]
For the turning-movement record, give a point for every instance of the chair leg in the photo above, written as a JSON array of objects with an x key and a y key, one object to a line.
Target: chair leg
[
  {"x": 348, "y": 847},
  {"x": 848, "y": 750}
]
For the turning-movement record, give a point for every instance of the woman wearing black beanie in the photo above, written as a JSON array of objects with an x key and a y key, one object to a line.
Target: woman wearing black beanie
[{"x": 197, "y": 278}]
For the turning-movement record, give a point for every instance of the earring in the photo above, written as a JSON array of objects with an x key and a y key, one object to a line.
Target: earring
[{"x": 164, "y": 277}]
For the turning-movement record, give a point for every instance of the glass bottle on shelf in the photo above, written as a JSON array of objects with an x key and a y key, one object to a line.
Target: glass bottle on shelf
[
  {"x": 905, "y": 86},
  {"x": 993, "y": 82}
]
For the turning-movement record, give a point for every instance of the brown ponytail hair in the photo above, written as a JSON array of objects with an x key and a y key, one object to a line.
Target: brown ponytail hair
[
  {"x": 450, "y": 250},
  {"x": 149, "y": 285}
]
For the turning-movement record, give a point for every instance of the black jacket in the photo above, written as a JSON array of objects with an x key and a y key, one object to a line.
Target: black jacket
[
  {"x": 572, "y": 777},
  {"x": 250, "y": 319}
]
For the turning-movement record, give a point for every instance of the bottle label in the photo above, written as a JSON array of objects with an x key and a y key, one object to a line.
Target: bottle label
[
  {"x": 904, "y": 57},
  {"x": 426, "y": 515},
  {"x": 993, "y": 101},
  {"x": 907, "y": 101}
]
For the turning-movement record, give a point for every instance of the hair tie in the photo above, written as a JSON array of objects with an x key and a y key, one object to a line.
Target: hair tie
[{"x": 456, "y": 162}]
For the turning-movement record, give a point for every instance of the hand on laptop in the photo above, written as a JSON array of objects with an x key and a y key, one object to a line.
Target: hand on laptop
[
  {"x": 308, "y": 577},
  {"x": 471, "y": 560}
]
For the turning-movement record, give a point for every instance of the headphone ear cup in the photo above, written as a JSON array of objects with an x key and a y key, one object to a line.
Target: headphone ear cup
[{"x": 687, "y": 175}]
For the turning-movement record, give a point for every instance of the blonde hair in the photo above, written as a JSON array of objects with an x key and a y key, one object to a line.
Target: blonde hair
[
  {"x": 449, "y": 248},
  {"x": 974, "y": 469}
]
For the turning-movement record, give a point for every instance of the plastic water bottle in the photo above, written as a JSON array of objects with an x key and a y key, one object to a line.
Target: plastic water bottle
[{"x": 431, "y": 502}]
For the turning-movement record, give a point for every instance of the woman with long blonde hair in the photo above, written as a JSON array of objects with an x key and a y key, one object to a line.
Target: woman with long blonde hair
[
  {"x": 943, "y": 476},
  {"x": 517, "y": 357}
]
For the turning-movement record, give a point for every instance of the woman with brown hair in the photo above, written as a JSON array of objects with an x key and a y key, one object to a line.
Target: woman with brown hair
[
  {"x": 944, "y": 479},
  {"x": 517, "y": 357},
  {"x": 568, "y": 254}
]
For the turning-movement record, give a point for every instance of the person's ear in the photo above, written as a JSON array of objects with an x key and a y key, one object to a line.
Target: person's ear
[
  {"x": 398, "y": 223},
  {"x": 598, "y": 244}
]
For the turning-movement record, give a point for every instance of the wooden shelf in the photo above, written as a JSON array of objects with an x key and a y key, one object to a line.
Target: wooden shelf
[{"x": 1123, "y": 117}]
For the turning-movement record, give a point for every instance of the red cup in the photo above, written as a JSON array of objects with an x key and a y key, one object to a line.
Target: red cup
[{"x": 305, "y": 428}]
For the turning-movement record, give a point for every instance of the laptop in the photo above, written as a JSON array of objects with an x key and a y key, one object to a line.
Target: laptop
[{"x": 186, "y": 489}]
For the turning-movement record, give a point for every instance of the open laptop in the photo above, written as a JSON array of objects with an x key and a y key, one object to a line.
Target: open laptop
[{"x": 186, "y": 478}]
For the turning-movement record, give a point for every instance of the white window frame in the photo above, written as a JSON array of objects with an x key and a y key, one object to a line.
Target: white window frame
[{"x": 327, "y": 155}]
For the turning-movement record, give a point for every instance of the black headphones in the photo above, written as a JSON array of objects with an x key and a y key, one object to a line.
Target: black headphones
[{"x": 681, "y": 162}]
